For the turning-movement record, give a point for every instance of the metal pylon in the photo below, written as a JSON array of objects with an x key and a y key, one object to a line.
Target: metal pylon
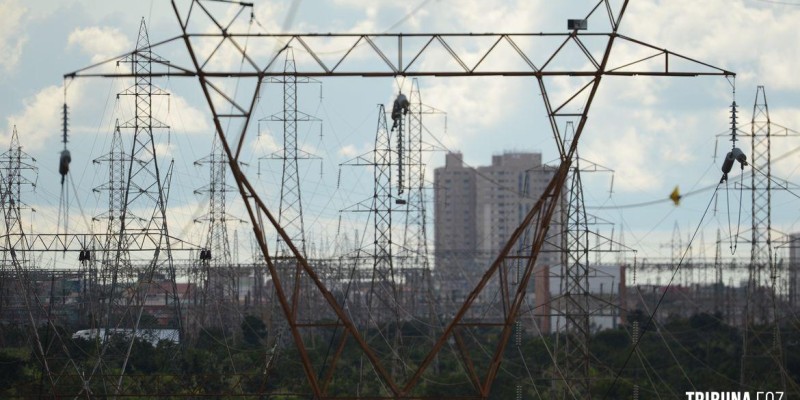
[
  {"x": 290, "y": 212},
  {"x": 145, "y": 190},
  {"x": 762, "y": 289},
  {"x": 761, "y": 184},
  {"x": 219, "y": 282},
  {"x": 415, "y": 237},
  {"x": 290, "y": 208},
  {"x": 574, "y": 355},
  {"x": 383, "y": 273},
  {"x": 115, "y": 256},
  {"x": 381, "y": 306},
  {"x": 14, "y": 165},
  {"x": 217, "y": 217}
]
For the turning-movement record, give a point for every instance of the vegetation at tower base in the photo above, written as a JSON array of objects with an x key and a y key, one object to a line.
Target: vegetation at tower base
[{"x": 678, "y": 355}]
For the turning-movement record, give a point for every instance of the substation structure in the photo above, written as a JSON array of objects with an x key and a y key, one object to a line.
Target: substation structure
[{"x": 393, "y": 372}]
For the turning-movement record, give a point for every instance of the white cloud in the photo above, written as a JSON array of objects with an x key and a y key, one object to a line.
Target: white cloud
[
  {"x": 180, "y": 115},
  {"x": 472, "y": 105},
  {"x": 12, "y": 34},
  {"x": 41, "y": 118},
  {"x": 651, "y": 145},
  {"x": 165, "y": 151},
  {"x": 348, "y": 151},
  {"x": 265, "y": 144},
  {"x": 629, "y": 159},
  {"x": 100, "y": 42},
  {"x": 723, "y": 33}
]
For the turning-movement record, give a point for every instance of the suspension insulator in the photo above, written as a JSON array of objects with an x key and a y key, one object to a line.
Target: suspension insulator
[
  {"x": 733, "y": 156},
  {"x": 728, "y": 163},
  {"x": 739, "y": 156},
  {"x": 63, "y": 164}
]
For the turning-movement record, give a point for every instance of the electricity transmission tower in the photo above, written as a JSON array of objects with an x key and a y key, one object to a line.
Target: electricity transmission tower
[
  {"x": 219, "y": 277},
  {"x": 761, "y": 304},
  {"x": 576, "y": 301},
  {"x": 290, "y": 211},
  {"x": 383, "y": 276},
  {"x": 597, "y": 57},
  {"x": 137, "y": 208},
  {"x": 116, "y": 262},
  {"x": 290, "y": 207},
  {"x": 414, "y": 256},
  {"x": 761, "y": 257},
  {"x": 575, "y": 291},
  {"x": 15, "y": 166}
]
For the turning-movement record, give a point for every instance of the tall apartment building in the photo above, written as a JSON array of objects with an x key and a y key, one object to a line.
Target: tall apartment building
[
  {"x": 455, "y": 237},
  {"x": 477, "y": 210}
]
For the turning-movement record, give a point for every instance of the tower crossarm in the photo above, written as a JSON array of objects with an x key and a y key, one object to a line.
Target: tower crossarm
[
  {"x": 399, "y": 54},
  {"x": 138, "y": 241}
]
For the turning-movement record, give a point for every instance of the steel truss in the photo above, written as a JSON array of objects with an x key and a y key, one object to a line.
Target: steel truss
[{"x": 599, "y": 64}]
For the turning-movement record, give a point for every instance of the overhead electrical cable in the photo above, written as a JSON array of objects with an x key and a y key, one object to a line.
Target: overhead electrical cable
[{"x": 663, "y": 295}]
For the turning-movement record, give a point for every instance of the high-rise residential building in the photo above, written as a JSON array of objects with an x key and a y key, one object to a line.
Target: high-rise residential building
[
  {"x": 477, "y": 210},
  {"x": 455, "y": 237},
  {"x": 505, "y": 191}
]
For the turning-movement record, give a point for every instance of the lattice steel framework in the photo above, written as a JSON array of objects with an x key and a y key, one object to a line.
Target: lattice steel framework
[
  {"x": 219, "y": 283},
  {"x": 15, "y": 166},
  {"x": 383, "y": 272},
  {"x": 575, "y": 292},
  {"x": 143, "y": 192},
  {"x": 761, "y": 261},
  {"x": 415, "y": 237},
  {"x": 381, "y": 206},
  {"x": 761, "y": 184},
  {"x": 576, "y": 107},
  {"x": 217, "y": 216},
  {"x": 290, "y": 211},
  {"x": 115, "y": 256},
  {"x": 414, "y": 255},
  {"x": 115, "y": 186},
  {"x": 762, "y": 290}
]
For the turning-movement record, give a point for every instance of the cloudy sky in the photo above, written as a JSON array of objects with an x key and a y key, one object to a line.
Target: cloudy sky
[{"x": 655, "y": 133}]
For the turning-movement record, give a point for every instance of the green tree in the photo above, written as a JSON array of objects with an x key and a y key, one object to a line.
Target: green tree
[{"x": 253, "y": 330}]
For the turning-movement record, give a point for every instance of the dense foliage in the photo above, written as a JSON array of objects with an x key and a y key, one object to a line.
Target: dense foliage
[{"x": 699, "y": 353}]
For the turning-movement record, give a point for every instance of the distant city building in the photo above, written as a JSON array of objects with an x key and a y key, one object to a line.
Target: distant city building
[
  {"x": 476, "y": 211},
  {"x": 455, "y": 233},
  {"x": 504, "y": 194}
]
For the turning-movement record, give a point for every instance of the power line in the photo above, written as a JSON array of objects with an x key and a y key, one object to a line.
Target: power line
[{"x": 663, "y": 295}]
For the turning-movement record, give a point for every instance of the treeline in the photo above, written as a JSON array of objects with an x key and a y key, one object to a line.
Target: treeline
[{"x": 700, "y": 353}]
